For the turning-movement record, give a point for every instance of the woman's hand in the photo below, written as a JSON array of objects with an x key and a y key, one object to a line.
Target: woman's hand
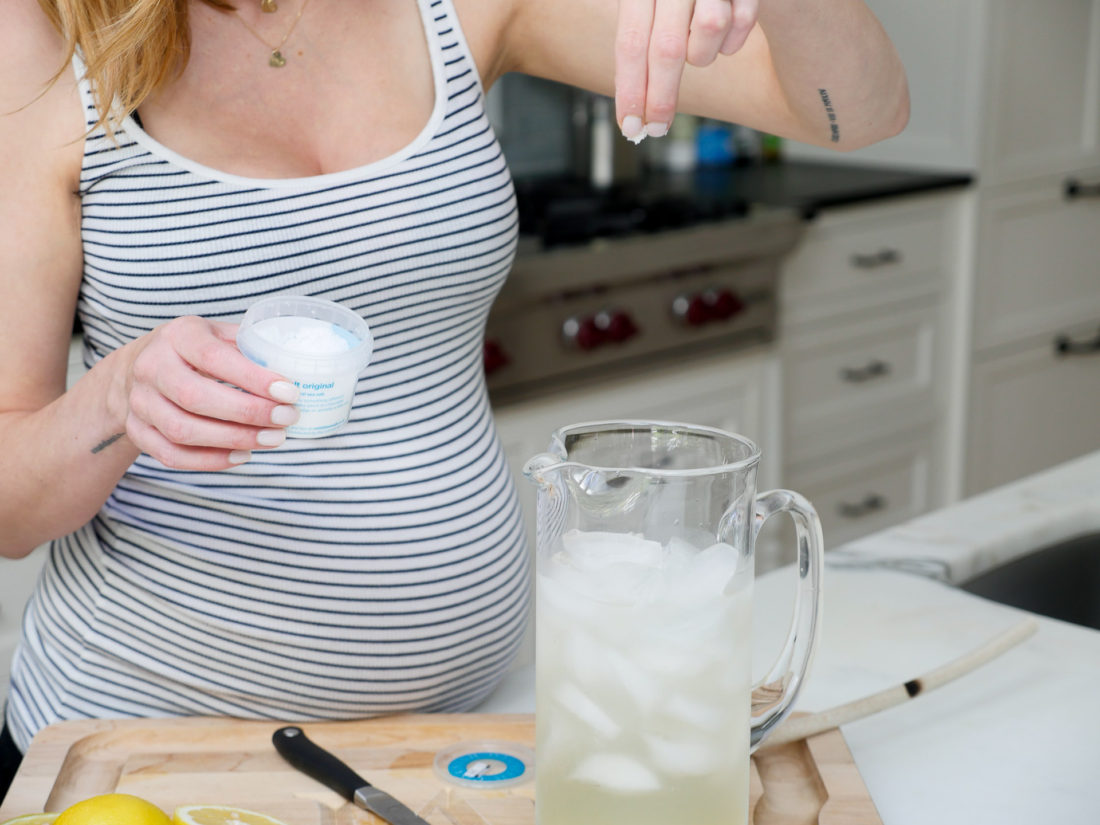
[
  {"x": 654, "y": 40},
  {"x": 177, "y": 410}
]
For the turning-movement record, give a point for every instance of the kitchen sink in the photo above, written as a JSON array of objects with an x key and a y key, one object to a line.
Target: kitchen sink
[{"x": 1061, "y": 581}]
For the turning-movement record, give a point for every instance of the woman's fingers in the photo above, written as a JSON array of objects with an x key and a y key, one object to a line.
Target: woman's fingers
[
  {"x": 667, "y": 55},
  {"x": 710, "y": 24},
  {"x": 635, "y": 24},
  {"x": 744, "y": 15},
  {"x": 205, "y": 348},
  {"x": 151, "y": 441},
  {"x": 655, "y": 38},
  {"x": 185, "y": 408}
]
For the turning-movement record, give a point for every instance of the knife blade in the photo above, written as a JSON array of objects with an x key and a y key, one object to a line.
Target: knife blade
[{"x": 311, "y": 759}]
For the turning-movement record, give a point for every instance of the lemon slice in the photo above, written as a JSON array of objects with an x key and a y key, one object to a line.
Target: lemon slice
[
  {"x": 220, "y": 815},
  {"x": 32, "y": 819}
]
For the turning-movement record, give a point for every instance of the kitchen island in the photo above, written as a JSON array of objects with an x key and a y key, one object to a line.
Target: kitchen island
[{"x": 1013, "y": 742}]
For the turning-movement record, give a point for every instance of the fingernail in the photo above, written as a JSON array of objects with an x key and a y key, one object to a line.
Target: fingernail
[
  {"x": 283, "y": 391},
  {"x": 239, "y": 456},
  {"x": 633, "y": 129},
  {"x": 270, "y": 438},
  {"x": 656, "y": 129},
  {"x": 284, "y": 416}
]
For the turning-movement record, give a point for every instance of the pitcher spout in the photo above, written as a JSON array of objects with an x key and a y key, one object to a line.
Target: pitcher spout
[{"x": 542, "y": 468}]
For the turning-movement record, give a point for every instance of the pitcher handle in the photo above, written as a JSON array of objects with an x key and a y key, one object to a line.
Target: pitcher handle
[{"x": 774, "y": 695}]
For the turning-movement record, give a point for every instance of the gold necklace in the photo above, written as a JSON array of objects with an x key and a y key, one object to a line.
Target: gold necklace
[
  {"x": 268, "y": 6},
  {"x": 276, "y": 60}
]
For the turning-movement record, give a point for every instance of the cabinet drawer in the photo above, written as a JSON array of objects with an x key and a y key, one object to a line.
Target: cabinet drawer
[
  {"x": 869, "y": 255},
  {"x": 1040, "y": 263},
  {"x": 853, "y": 382},
  {"x": 1030, "y": 410},
  {"x": 862, "y": 491}
]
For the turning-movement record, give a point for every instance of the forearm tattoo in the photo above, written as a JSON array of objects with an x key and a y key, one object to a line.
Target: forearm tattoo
[
  {"x": 834, "y": 127},
  {"x": 107, "y": 442}
]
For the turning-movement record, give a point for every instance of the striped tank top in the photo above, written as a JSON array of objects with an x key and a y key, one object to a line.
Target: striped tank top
[{"x": 378, "y": 570}]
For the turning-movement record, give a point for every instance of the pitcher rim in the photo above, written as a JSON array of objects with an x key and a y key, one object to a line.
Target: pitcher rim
[{"x": 743, "y": 464}]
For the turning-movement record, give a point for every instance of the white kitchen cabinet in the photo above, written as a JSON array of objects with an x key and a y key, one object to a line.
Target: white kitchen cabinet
[
  {"x": 1033, "y": 408},
  {"x": 1039, "y": 267},
  {"x": 864, "y": 490},
  {"x": 1043, "y": 100},
  {"x": 867, "y": 356}
]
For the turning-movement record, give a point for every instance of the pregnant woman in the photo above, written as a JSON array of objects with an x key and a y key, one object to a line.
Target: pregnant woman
[{"x": 165, "y": 164}]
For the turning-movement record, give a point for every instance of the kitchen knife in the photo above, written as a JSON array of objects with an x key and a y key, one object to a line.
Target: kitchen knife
[{"x": 313, "y": 760}]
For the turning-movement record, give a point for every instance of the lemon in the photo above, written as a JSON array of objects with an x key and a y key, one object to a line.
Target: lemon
[
  {"x": 220, "y": 815},
  {"x": 113, "y": 809},
  {"x": 32, "y": 819}
]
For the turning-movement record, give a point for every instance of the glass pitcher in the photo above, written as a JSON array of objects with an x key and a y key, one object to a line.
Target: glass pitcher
[{"x": 645, "y": 711}]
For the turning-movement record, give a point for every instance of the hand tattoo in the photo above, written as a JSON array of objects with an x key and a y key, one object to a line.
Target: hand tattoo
[{"x": 831, "y": 112}]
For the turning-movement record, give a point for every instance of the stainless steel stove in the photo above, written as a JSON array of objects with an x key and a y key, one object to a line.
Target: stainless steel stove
[{"x": 633, "y": 297}]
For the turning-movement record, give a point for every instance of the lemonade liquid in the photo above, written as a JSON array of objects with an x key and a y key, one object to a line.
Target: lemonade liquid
[{"x": 643, "y": 684}]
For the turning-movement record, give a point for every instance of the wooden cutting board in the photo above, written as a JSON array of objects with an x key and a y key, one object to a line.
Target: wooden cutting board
[{"x": 174, "y": 762}]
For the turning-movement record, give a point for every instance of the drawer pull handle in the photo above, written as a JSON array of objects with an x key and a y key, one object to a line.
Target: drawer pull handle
[
  {"x": 1075, "y": 189},
  {"x": 1064, "y": 345},
  {"x": 872, "y": 503},
  {"x": 858, "y": 375},
  {"x": 884, "y": 257}
]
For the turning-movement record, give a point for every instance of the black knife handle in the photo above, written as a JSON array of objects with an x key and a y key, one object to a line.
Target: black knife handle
[{"x": 313, "y": 760}]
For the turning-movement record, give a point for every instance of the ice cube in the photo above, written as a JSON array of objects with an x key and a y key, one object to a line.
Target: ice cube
[
  {"x": 577, "y": 702},
  {"x": 595, "y": 549},
  {"x": 634, "y": 681},
  {"x": 679, "y": 757},
  {"x": 698, "y": 714},
  {"x": 709, "y": 573},
  {"x": 616, "y": 772},
  {"x": 585, "y": 658}
]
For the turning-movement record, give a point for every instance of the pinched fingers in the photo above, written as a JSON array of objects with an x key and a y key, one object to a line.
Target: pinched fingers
[
  {"x": 667, "y": 55},
  {"x": 744, "y": 16},
  {"x": 635, "y": 25},
  {"x": 710, "y": 25}
]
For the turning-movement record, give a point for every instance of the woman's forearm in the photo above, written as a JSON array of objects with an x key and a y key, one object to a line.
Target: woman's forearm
[
  {"x": 62, "y": 461},
  {"x": 840, "y": 74}
]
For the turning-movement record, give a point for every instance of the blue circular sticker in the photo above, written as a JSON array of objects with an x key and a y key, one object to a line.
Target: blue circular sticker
[{"x": 486, "y": 766}]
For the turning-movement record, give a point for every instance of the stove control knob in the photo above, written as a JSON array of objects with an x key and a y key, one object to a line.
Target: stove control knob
[
  {"x": 493, "y": 356},
  {"x": 725, "y": 303},
  {"x": 617, "y": 325},
  {"x": 692, "y": 310},
  {"x": 582, "y": 333}
]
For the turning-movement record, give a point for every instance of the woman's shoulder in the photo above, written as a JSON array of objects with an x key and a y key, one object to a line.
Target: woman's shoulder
[{"x": 39, "y": 101}]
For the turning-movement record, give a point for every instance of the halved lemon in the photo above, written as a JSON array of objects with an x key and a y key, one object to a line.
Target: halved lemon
[
  {"x": 32, "y": 819},
  {"x": 220, "y": 815}
]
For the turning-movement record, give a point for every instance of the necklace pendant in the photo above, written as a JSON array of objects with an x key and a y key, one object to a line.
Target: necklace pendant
[
  {"x": 276, "y": 61},
  {"x": 269, "y": 6}
]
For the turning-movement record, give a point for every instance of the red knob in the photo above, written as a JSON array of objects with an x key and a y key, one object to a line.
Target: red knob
[
  {"x": 494, "y": 357},
  {"x": 698, "y": 311},
  {"x": 726, "y": 304},
  {"x": 588, "y": 334},
  {"x": 617, "y": 325}
]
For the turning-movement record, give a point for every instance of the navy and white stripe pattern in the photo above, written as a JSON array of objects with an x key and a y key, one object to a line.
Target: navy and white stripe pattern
[{"x": 377, "y": 570}]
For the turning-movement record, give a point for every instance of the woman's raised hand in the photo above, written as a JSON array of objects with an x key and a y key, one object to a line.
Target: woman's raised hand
[
  {"x": 654, "y": 40},
  {"x": 178, "y": 410}
]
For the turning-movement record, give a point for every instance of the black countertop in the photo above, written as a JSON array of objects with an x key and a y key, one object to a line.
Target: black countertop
[
  {"x": 811, "y": 187},
  {"x": 566, "y": 210}
]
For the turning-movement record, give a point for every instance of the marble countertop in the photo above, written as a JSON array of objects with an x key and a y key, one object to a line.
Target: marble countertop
[{"x": 1012, "y": 742}]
